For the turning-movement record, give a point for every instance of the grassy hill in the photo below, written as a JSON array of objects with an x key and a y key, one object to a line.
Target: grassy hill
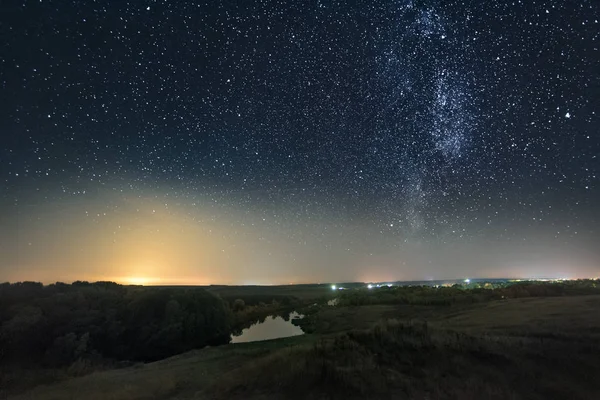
[{"x": 524, "y": 348}]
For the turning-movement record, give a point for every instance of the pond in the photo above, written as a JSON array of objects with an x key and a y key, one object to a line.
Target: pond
[{"x": 271, "y": 328}]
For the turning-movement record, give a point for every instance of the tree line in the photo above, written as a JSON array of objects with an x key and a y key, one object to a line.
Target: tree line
[
  {"x": 457, "y": 294},
  {"x": 55, "y": 325}
]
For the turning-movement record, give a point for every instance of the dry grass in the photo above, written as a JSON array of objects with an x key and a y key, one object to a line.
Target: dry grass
[
  {"x": 414, "y": 361},
  {"x": 570, "y": 317},
  {"x": 182, "y": 375}
]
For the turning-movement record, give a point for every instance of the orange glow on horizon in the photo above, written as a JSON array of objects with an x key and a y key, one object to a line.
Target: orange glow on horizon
[
  {"x": 136, "y": 280},
  {"x": 159, "y": 281},
  {"x": 154, "y": 240}
]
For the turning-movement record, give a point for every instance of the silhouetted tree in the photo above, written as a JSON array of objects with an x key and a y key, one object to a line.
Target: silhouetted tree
[{"x": 239, "y": 305}]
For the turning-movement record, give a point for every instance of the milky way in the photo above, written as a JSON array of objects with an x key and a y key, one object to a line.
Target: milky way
[{"x": 299, "y": 142}]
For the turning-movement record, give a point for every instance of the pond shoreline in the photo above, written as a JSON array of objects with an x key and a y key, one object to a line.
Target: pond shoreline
[{"x": 269, "y": 328}]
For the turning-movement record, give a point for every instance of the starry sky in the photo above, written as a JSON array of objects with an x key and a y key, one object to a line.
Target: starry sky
[{"x": 263, "y": 142}]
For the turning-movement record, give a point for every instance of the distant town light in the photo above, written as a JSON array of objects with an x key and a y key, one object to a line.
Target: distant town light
[
  {"x": 333, "y": 287},
  {"x": 467, "y": 280},
  {"x": 370, "y": 286}
]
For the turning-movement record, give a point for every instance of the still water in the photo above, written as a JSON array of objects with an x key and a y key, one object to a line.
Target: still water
[{"x": 271, "y": 328}]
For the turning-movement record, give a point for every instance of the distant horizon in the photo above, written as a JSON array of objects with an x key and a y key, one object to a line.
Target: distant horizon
[{"x": 163, "y": 284}]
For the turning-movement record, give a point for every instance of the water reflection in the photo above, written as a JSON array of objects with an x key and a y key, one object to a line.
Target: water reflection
[{"x": 272, "y": 327}]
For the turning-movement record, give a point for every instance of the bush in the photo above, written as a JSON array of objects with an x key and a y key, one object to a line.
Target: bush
[{"x": 239, "y": 305}]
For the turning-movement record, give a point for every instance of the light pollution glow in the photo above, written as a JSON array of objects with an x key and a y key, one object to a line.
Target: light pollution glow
[{"x": 155, "y": 241}]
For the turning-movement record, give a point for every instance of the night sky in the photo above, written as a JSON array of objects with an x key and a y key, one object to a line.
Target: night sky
[{"x": 274, "y": 142}]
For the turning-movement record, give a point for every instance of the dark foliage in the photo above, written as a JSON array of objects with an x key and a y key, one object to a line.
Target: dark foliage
[
  {"x": 258, "y": 299},
  {"x": 58, "y": 324},
  {"x": 456, "y": 294}
]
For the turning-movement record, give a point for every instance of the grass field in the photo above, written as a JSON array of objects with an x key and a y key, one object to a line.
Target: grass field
[
  {"x": 555, "y": 316},
  {"x": 530, "y": 348}
]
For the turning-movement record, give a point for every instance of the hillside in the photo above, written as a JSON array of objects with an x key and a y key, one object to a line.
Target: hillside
[{"x": 527, "y": 348}]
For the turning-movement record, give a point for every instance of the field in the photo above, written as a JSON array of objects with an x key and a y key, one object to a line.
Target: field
[{"x": 521, "y": 348}]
